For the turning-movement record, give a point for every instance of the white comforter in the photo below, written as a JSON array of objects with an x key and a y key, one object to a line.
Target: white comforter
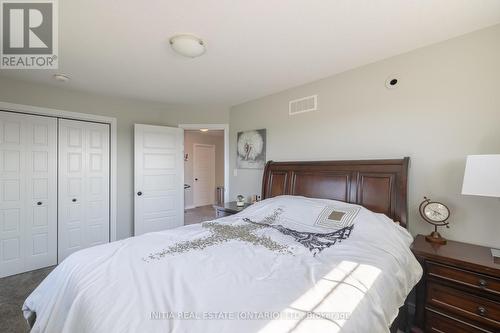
[{"x": 356, "y": 285}]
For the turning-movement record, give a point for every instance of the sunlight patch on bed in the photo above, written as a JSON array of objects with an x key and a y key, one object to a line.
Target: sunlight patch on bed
[{"x": 329, "y": 303}]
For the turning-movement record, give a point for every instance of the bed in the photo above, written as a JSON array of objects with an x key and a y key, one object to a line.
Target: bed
[{"x": 326, "y": 251}]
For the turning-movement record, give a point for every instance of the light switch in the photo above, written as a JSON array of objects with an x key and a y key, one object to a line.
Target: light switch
[{"x": 235, "y": 172}]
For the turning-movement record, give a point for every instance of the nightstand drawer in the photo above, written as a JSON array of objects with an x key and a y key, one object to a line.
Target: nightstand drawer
[
  {"x": 440, "y": 323},
  {"x": 460, "y": 288},
  {"x": 463, "y": 304},
  {"x": 464, "y": 277}
]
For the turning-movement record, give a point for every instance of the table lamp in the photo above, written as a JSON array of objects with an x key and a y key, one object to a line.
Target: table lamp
[{"x": 482, "y": 177}]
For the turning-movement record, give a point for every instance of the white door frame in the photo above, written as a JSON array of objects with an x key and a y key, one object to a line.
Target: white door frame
[
  {"x": 212, "y": 180},
  {"x": 35, "y": 110},
  {"x": 225, "y": 128}
]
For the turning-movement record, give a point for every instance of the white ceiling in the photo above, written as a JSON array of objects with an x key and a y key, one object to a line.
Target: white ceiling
[{"x": 254, "y": 47}]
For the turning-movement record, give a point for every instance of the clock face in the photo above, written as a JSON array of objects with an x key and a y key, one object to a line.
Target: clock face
[{"x": 436, "y": 212}]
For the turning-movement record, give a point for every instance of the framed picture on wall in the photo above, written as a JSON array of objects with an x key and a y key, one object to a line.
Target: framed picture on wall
[{"x": 251, "y": 149}]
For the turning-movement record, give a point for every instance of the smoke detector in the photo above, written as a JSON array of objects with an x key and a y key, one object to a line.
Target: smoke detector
[
  {"x": 392, "y": 82},
  {"x": 61, "y": 78}
]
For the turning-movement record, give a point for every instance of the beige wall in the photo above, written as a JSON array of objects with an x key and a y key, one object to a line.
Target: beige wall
[
  {"x": 191, "y": 138},
  {"x": 446, "y": 107},
  {"x": 127, "y": 112}
]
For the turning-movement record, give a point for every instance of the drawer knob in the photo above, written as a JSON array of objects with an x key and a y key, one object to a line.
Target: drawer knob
[
  {"x": 481, "y": 311},
  {"x": 482, "y": 283}
]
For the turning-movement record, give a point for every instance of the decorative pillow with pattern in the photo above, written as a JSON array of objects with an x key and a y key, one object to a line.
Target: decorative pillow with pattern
[{"x": 304, "y": 214}]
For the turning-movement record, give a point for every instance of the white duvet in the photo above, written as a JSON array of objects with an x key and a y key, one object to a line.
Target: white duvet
[{"x": 151, "y": 283}]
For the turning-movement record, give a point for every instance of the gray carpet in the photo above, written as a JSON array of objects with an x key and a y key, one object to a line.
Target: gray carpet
[{"x": 13, "y": 291}]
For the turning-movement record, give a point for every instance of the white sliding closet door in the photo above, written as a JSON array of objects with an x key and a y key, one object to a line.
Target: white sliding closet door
[
  {"x": 28, "y": 192},
  {"x": 159, "y": 178},
  {"x": 83, "y": 185}
]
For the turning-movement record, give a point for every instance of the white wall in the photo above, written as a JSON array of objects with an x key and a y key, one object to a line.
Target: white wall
[
  {"x": 127, "y": 112},
  {"x": 446, "y": 107},
  {"x": 207, "y": 138}
]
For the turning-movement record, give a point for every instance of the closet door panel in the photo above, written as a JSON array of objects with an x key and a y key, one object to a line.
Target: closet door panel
[
  {"x": 12, "y": 212},
  {"x": 97, "y": 184},
  {"x": 83, "y": 185},
  {"x": 41, "y": 192},
  {"x": 28, "y": 197},
  {"x": 71, "y": 193}
]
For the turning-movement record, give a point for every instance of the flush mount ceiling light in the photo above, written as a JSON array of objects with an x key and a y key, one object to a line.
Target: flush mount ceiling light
[
  {"x": 61, "y": 78},
  {"x": 204, "y": 129},
  {"x": 188, "y": 45}
]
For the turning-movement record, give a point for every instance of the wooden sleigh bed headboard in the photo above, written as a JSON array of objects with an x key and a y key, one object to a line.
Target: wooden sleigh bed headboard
[{"x": 379, "y": 185}]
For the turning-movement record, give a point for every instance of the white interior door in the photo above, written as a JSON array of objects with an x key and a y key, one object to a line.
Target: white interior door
[
  {"x": 159, "y": 178},
  {"x": 28, "y": 192},
  {"x": 204, "y": 174},
  {"x": 83, "y": 185}
]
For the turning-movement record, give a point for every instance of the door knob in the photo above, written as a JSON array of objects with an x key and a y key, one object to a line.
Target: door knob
[
  {"x": 74, "y": 199},
  {"x": 139, "y": 193},
  {"x": 39, "y": 203}
]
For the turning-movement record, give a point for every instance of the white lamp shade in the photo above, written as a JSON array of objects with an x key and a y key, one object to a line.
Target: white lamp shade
[{"x": 482, "y": 176}]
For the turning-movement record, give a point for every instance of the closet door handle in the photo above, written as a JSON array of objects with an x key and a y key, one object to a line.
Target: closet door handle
[
  {"x": 39, "y": 203},
  {"x": 139, "y": 193},
  {"x": 74, "y": 199}
]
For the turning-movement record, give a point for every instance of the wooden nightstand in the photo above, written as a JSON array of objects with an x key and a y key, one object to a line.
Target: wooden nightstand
[
  {"x": 460, "y": 288},
  {"x": 228, "y": 208}
]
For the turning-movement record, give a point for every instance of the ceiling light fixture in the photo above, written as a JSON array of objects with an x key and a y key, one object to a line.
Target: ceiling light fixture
[
  {"x": 204, "y": 129},
  {"x": 188, "y": 45},
  {"x": 61, "y": 78}
]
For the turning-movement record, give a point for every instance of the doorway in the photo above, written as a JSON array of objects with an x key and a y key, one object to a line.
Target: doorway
[{"x": 205, "y": 172}]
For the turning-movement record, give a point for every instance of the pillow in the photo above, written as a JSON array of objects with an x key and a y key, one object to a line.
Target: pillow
[{"x": 303, "y": 214}]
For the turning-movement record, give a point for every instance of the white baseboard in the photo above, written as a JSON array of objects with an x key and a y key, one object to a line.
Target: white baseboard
[{"x": 190, "y": 207}]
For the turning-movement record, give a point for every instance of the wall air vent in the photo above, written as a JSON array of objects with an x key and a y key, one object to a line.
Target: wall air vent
[{"x": 301, "y": 105}]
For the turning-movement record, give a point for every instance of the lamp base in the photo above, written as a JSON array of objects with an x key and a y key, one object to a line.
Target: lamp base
[{"x": 436, "y": 238}]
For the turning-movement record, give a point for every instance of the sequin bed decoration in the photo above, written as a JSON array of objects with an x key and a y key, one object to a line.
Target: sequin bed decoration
[
  {"x": 315, "y": 242},
  {"x": 221, "y": 233}
]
